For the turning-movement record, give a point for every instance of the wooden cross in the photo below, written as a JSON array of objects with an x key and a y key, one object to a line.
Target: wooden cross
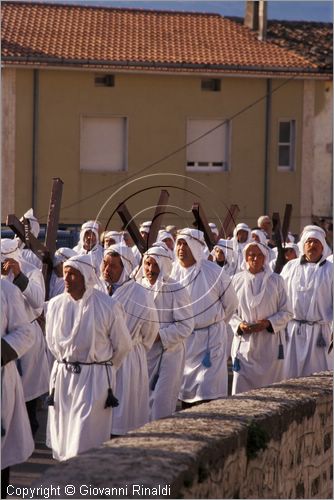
[
  {"x": 203, "y": 225},
  {"x": 130, "y": 225},
  {"x": 280, "y": 235},
  {"x": 229, "y": 222},
  {"x": 44, "y": 252}
]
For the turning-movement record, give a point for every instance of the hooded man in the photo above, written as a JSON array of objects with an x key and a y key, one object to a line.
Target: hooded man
[
  {"x": 34, "y": 227},
  {"x": 33, "y": 365},
  {"x": 259, "y": 323},
  {"x": 241, "y": 236},
  {"x": 17, "y": 337},
  {"x": 214, "y": 301},
  {"x": 57, "y": 284},
  {"x": 87, "y": 335},
  {"x": 166, "y": 358},
  {"x": 132, "y": 387},
  {"x": 308, "y": 281},
  {"x": 89, "y": 244}
]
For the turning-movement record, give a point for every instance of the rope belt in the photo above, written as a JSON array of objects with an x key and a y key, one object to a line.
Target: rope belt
[
  {"x": 321, "y": 342},
  {"x": 75, "y": 366},
  {"x": 310, "y": 323}
]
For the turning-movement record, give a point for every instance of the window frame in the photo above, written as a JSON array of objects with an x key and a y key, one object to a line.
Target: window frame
[
  {"x": 125, "y": 119},
  {"x": 226, "y": 167},
  {"x": 291, "y": 144}
]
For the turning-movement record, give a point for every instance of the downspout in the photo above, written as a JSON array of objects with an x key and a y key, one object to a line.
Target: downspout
[
  {"x": 267, "y": 145},
  {"x": 35, "y": 124}
]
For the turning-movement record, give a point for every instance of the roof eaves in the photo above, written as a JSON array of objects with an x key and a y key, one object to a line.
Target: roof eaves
[{"x": 157, "y": 64}]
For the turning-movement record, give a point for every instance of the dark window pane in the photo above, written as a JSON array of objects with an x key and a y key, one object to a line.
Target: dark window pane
[
  {"x": 284, "y": 132},
  {"x": 284, "y": 156}
]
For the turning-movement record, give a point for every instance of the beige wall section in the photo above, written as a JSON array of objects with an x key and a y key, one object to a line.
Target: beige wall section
[
  {"x": 8, "y": 106},
  {"x": 306, "y": 196},
  {"x": 157, "y": 108},
  {"x": 287, "y": 104},
  {"x": 323, "y": 151},
  {"x": 24, "y": 135}
]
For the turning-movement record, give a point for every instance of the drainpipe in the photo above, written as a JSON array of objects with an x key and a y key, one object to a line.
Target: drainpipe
[
  {"x": 267, "y": 145},
  {"x": 35, "y": 123}
]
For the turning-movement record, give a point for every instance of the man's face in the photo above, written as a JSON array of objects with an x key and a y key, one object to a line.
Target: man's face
[
  {"x": 170, "y": 243},
  {"x": 89, "y": 240},
  {"x": 254, "y": 259},
  {"x": 266, "y": 225},
  {"x": 184, "y": 254},
  {"x": 58, "y": 270},
  {"x": 151, "y": 270},
  {"x": 290, "y": 254},
  {"x": 144, "y": 235},
  {"x": 112, "y": 268},
  {"x": 109, "y": 241},
  {"x": 242, "y": 236},
  {"x": 313, "y": 249},
  {"x": 255, "y": 237},
  {"x": 74, "y": 282},
  {"x": 219, "y": 254}
]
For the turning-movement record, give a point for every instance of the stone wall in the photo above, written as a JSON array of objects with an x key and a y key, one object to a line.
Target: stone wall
[{"x": 274, "y": 442}]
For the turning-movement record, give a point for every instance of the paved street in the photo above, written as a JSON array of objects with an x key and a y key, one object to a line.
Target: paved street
[{"x": 25, "y": 474}]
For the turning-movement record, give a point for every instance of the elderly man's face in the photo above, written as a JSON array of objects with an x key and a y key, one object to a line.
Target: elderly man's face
[
  {"x": 313, "y": 250},
  {"x": 254, "y": 259},
  {"x": 74, "y": 282},
  {"x": 184, "y": 254},
  {"x": 266, "y": 225},
  {"x": 112, "y": 268}
]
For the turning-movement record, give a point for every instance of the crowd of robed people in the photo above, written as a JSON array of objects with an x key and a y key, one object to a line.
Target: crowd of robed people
[{"x": 127, "y": 336}]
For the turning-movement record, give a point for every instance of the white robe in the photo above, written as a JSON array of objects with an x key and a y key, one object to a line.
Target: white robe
[
  {"x": 17, "y": 444},
  {"x": 132, "y": 388},
  {"x": 258, "y": 352},
  {"x": 309, "y": 287},
  {"x": 176, "y": 324},
  {"x": 88, "y": 330},
  {"x": 34, "y": 364},
  {"x": 213, "y": 301}
]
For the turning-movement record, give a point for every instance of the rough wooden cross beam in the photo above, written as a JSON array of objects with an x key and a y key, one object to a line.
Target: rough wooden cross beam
[
  {"x": 28, "y": 238},
  {"x": 44, "y": 252},
  {"x": 202, "y": 225},
  {"x": 52, "y": 229},
  {"x": 158, "y": 217},
  {"x": 280, "y": 235},
  {"x": 228, "y": 225},
  {"x": 130, "y": 225}
]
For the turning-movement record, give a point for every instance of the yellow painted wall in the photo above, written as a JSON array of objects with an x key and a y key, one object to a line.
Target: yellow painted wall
[{"x": 157, "y": 107}]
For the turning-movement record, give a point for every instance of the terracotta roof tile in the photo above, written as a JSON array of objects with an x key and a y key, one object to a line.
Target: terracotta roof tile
[{"x": 131, "y": 38}]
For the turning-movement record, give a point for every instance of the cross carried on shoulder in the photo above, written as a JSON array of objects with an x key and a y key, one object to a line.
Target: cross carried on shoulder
[
  {"x": 44, "y": 252},
  {"x": 130, "y": 225}
]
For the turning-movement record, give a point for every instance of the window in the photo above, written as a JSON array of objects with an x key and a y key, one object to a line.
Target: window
[
  {"x": 104, "y": 80},
  {"x": 210, "y": 153},
  {"x": 286, "y": 144},
  {"x": 211, "y": 84},
  {"x": 103, "y": 143}
]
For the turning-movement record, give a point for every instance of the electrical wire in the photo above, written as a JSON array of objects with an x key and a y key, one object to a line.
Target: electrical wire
[{"x": 179, "y": 149}]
